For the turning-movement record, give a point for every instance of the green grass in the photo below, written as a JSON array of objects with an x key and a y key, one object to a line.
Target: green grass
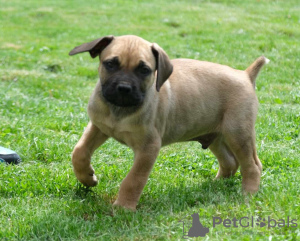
[{"x": 43, "y": 99}]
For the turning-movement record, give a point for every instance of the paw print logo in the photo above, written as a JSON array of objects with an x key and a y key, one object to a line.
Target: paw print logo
[{"x": 260, "y": 222}]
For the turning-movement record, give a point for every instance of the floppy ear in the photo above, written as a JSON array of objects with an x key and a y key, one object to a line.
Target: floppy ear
[
  {"x": 163, "y": 65},
  {"x": 95, "y": 47}
]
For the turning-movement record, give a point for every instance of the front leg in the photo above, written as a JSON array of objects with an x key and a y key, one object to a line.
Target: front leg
[
  {"x": 135, "y": 181},
  {"x": 91, "y": 139}
]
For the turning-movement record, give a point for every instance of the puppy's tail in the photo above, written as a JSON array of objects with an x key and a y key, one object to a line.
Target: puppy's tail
[{"x": 255, "y": 67}]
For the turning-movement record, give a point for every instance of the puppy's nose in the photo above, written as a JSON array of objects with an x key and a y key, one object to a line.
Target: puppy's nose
[{"x": 124, "y": 88}]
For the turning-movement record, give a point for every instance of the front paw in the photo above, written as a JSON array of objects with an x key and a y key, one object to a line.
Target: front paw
[
  {"x": 129, "y": 205},
  {"x": 87, "y": 178}
]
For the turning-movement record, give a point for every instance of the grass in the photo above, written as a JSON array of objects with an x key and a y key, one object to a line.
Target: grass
[{"x": 44, "y": 94}]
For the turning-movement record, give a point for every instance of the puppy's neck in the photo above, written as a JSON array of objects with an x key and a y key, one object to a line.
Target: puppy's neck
[{"x": 122, "y": 112}]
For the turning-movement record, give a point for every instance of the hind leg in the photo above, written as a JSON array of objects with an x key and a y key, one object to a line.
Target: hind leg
[
  {"x": 242, "y": 144},
  {"x": 228, "y": 165},
  {"x": 239, "y": 135}
]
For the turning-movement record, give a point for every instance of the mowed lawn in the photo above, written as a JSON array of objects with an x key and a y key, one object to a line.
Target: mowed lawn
[{"x": 43, "y": 99}]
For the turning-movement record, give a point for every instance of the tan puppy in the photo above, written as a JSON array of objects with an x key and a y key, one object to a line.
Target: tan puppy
[{"x": 146, "y": 101}]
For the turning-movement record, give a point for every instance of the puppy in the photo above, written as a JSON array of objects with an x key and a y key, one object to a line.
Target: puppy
[{"x": 145, "y": 101}]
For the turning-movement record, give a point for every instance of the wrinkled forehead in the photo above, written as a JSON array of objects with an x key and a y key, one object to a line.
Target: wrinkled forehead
[{"x": 130, "y": 50}]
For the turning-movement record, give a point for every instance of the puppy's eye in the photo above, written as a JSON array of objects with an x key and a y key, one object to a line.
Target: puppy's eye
[
  {"x": 144, "y": 70},
  {"x": 111, "y": 64}
]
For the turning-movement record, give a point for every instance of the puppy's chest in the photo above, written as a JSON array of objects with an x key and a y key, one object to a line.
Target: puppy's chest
[{"x": 121, "y": 130}]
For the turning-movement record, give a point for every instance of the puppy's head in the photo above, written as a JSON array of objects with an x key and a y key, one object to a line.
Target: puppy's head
[{"x": 129, "y": 67}]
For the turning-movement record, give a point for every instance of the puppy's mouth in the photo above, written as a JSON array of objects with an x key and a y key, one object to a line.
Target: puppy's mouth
[{"x": 122, "y": 95}]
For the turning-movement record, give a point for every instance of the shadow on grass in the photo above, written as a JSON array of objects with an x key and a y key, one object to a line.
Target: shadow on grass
[
  {"x": 178, "y": 197},
  {"x": 182, "y": 197}
]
